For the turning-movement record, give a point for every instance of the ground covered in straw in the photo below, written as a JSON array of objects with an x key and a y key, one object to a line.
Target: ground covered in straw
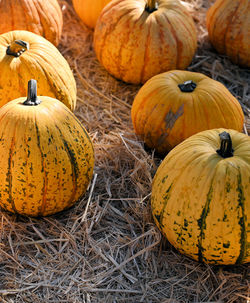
[{"x": 107, "y": 248}]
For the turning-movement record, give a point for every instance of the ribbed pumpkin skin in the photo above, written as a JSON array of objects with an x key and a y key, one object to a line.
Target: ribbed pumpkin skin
[
  {"x": 201, "y": 201},
  {"x": 228, "y": 24},
  {"x": 163, "y": 115},
  {"x": 134, "y": 45},
  {"x": 89, "y": 10},
  {"x": 42, "y": 62},
  {"x": 42, "y": 17},
  {"x": 46, "y": 160}
]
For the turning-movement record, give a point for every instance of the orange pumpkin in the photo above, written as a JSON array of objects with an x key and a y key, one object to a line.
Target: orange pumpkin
[
  {"x": 172, "y": 106},
  {"x": 24, "y": 55},
  {"x": 228, "y": 24},
  {"x": 89, "y": 10},
  {"x": 136, "y": 39},
  {"x": 38, "y": 16}
]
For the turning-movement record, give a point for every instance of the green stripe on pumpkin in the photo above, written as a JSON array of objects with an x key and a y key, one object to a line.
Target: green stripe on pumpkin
[
  {"x": 45, "y": 179},
  {"x": 69, "y": 112},
  {"x": 166, "y": 198},
  {"x": 9, "y": 174},
  {"x": 241, "y": 221},
  {"x": 73, "y": 162},
  {"x": 202, "y": 222}
]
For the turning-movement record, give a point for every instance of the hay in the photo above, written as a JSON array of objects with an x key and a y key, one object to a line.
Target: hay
[{"x": 106, "y": 248}]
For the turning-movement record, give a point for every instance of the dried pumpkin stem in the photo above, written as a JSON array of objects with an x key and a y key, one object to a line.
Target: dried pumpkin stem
[
  {"x": 32, "y": 94},
  {"x": 17, "y": 47},
  {"x": 187, "y": 87},
  {"x": 151, "y": 6},
  {"x": 226, "y": 147}
]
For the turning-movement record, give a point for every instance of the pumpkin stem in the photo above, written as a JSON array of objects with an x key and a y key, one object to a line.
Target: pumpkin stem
[
  {"x": 226, "y": 148},
  {"x": 151, "y": 6},
  {"x": 17, "y": 47},
  {"x": 32, "y": 94},
  {"x": 187, "y": 87}
]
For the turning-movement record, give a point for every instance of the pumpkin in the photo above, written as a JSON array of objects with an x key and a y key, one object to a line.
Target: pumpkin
[
  {"x": 136, "y": 39},
  {"x": 172, "y": 106},
  {"x": 228, "y": 24},
  {"x": 47, "y": 156},
  {"x": 23, "y": 56},
  {"x": 89, "y": 10},
  {"x": 38, "y": 16},
  {"x": 201, "y": 197}
]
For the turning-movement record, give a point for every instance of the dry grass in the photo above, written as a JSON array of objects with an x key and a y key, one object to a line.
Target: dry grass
[{"x": 107, "y": 248}]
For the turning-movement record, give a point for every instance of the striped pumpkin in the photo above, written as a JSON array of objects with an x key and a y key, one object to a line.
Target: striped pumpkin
[
  {"x": 25, "y": 56},
  {"x": 201, "y": 197},
  {"x": 42, "y": 17},
  {"x": 137, "y": 39},
  {"x": 46, "y": 158}
]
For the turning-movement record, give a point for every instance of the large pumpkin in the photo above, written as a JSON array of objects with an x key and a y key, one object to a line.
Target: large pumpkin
[
  {"x": 201, "y": 197},
  {"x": 89, "y": 10},
  {"x": 23, "y": 56},
  {"x": 228, "y": 24},
  {"x": 42, "y": 17},
  {"x": 46, "y": 156},
  {"x": 174, "y": 105},
  {"x": 136, "y": 39}
]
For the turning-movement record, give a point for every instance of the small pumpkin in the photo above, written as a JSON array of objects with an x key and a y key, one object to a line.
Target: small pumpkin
[
  {"x": 172, "y": 106},
  {"x": 89, "y": 10},
  {"x": 201, "y": 197},
  {"x": 228, "y": 24},
  {"x": 136, "y": 39},
  {"x": 47, "y": 156},
  {"x": 38, "y": 16},
  {"x": 24, "y": 55}
]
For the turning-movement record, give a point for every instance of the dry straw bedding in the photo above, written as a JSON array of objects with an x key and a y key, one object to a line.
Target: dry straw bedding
[{"x": 107, "y": 248}]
